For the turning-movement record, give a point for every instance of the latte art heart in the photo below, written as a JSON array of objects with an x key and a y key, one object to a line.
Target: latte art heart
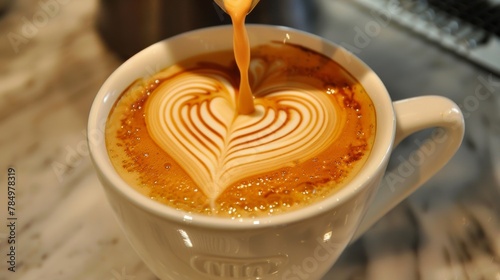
[{"x": 193, "y": 117}]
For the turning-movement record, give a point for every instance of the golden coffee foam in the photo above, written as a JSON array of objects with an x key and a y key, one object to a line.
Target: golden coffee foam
[{"x": 178, "y": 138}]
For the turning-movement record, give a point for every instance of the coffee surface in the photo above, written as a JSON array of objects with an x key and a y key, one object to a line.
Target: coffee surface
[{"x": 177, "y": 137}]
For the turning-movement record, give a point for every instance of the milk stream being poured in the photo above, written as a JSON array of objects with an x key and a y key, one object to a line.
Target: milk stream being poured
[{"x": 237, "y": 10}]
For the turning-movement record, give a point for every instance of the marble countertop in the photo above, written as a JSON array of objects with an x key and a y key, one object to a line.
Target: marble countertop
[{"x": 52, "y": 62}]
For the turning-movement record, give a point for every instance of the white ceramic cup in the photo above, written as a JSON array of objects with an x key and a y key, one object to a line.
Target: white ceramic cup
[{"x": 297, "y": 245}]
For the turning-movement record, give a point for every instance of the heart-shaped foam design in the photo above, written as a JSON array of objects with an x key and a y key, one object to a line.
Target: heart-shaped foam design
[{"x": 193, "y": 118}]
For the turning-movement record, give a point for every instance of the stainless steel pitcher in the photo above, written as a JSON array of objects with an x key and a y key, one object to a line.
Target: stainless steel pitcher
[{"x": 127, "y": 26}]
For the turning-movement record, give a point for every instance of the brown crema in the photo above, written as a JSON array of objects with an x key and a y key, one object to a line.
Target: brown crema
[{"x": 277, "y": 70}]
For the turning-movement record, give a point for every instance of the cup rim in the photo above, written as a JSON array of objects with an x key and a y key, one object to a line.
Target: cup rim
[{"x": 373, "y": 167}]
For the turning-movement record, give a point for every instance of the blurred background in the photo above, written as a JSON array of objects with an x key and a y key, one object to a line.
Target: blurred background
[{"x": 55, "y": 54}]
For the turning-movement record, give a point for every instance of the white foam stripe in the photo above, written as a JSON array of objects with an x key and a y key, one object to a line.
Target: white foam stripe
[
  {"x": 247, "y": 124},
  {"x": 172, "y": 135},
  {"x": 297, "y": 135},
  {"x": 254, "y": 136},
  {"x": 198, "y": 127},
  {"x": 220, "y": 110}
]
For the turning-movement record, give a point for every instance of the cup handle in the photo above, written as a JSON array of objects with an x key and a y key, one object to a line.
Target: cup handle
[{"x": 428, "y": 157}]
